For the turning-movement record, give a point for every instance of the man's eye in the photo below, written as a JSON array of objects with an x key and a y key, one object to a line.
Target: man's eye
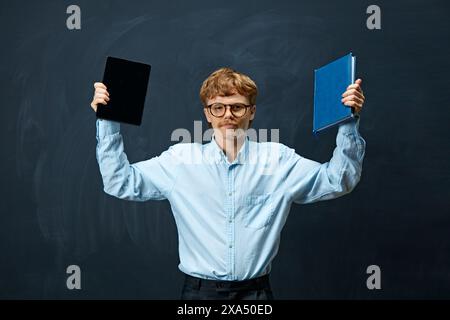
[
  {"x": 217, "y": 108},
  {"x": 237, "y": 107}
]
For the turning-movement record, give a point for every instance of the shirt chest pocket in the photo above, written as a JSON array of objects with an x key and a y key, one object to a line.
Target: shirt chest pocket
[{"x": 258, "y": 210}]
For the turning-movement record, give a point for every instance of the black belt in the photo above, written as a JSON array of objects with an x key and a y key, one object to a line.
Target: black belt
[{"x": 250, "y": 284}]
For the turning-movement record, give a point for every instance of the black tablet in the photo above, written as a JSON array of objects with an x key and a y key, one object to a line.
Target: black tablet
[{"x": 126, "y": 82}]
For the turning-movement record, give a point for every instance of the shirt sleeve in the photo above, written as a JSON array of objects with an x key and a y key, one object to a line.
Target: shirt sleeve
[
  {"x": 310, "y": 181},
  {"x": 151, "y": 179}
]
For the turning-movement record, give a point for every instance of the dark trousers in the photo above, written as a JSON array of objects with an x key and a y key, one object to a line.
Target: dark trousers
[{"x": 201, "y": 289}]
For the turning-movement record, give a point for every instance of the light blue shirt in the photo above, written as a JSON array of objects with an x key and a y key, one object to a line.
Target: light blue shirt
[{"x": 229, "y": 215}]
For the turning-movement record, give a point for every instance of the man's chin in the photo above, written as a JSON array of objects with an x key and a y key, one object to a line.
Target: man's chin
[
  {"x": 234, "y": 133},
  {"x": 229, "y": 133}
]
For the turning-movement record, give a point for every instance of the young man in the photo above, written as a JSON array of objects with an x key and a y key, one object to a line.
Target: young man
[{"x": 229, "y": 210}]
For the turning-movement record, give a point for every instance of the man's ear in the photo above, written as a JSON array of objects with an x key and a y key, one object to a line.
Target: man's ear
[
  {"x": 252, "y": 111},
  {"x": 207, "y": 115}
]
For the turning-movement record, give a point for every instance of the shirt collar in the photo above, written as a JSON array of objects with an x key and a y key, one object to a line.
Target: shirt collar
[{"x": 241, "y": 156}]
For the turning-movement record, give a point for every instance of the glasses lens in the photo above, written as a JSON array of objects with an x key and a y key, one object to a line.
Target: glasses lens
[
  {"x": 218, "y": 109},
  {"x": 238, "y": 109}
]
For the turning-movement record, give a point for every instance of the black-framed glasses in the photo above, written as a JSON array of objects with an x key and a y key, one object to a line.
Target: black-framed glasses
[{"x": 237, "y": 109}]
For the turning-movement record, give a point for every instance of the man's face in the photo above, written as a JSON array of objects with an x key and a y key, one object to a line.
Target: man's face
[{"x": 227, "y": 125}]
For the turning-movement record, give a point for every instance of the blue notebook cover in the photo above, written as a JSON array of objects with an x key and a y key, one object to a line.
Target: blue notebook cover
[{"x": 330, "y": 82}]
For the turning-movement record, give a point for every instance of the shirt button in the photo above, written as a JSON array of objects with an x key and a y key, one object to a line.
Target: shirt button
[
  {"x": 230, "y": 221},
  {"x": 230, "y": 246},
  {"x": 229, "y": 194}
]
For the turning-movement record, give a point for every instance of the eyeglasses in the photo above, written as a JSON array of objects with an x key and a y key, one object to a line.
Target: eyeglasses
[{"x": 237, "y": 109}]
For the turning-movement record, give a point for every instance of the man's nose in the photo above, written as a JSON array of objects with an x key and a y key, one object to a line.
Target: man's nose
[{"x": 228, "y": 113}]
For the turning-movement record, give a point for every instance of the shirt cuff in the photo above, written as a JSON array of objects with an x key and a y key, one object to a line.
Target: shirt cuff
[
  {"x": 106, "y": 128},
  {"x": 349, "y": 127}
]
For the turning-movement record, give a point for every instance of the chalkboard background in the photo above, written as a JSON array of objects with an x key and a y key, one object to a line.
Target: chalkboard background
[{"x": 54, "y": 213}]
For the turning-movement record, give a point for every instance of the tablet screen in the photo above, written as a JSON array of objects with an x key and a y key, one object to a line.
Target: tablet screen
[{"x": 126, "y": 82}]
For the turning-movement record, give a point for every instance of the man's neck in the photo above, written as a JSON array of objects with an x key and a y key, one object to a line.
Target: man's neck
[{"x": 231, "y": 146}]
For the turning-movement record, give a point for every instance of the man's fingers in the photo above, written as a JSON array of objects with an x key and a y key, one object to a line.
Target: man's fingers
[
  {"x": 99, "y": 100},
  {"x": 352, "y": 98},
  {"x": 354, "y": 86},
  {"x": 99, "y": 85},
  {"x": 353, "y": 92},
  {"x": 100, "y": 90},
  {"x": 353, "y": 104},
  {"x": 101, "y": 96}
]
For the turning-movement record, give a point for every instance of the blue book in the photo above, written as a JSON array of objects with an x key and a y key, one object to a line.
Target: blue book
[{"x": 330, "y": 82}]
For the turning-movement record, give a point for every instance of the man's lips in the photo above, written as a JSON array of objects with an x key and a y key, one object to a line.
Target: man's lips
[{"x": 229, "y": 126}]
